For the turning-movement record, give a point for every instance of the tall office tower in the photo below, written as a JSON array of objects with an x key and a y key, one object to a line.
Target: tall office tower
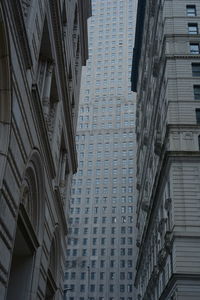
[
  {"x": 100, "y": 251},
  {"x": 166, "y": 75},
  {"x": 43, "y": 45}
]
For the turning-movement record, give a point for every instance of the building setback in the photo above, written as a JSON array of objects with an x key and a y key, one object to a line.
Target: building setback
[
  {"x": 100, "y": 255},
  {"x": 43, "y": 47},
  {"x": 166, "y": 76}
]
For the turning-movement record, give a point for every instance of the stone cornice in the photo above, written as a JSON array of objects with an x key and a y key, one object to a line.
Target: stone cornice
[
  {"x": 172, "y": 281},
  {"x": 182, "y": 56}
]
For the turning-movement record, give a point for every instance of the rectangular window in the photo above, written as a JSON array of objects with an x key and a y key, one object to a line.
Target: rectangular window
[
  {"x": 92, "y": 288},
  {"x": 122, "y": 288},
  {"x": 197, "y": 92},
  {"x": 198, "y": 115},
  {"x": 112, "y": 263},
  {"x": 101, "y": 288},
  {"x": 192, "y": 28},
  {"x": 191, "y": 10},
  {"x": 195, "y": 69},
  {"x": 194, "y": 48}
]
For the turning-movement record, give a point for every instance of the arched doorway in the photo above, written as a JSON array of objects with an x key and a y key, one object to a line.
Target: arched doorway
[
  {"x": 29, "y": 232},
  {"x": 5, "y": 95}
]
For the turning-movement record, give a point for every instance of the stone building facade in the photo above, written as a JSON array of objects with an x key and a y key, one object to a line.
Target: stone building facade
[
  {"x": 166, "y": 76},
  {"x": 43, "y": 46}
]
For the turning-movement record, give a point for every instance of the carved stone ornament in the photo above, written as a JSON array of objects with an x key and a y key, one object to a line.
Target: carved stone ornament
[
  {"x": 145, "y": 206},
  {"x": 139, "y": 297},
  {"x": 138, "y": 243},
  {"x": 168, "y": 241},
  {"x": 26, "y": 6},
  {"x": 158, "y": 144},
  {"x": 138, "y": 186},
  {"x": 145, "y": 138},
  {"x": 161, "y": 225},
  {"x": 167, "y": 204},
  {"x": 162, "y": 255}
]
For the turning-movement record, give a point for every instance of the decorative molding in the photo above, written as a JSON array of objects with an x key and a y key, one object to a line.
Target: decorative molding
[
  {"x": 61, "y": 207},
  {"x": 42, "y": 127},
  {"x": 25, "y": 7},
  {"x": 56, "y": 18},
  {"x": 167, "y": 203},
  {"x": 161, "y": 225},
  {"x": 22, "y": 32},
  {"x": 145, "y": 205}
]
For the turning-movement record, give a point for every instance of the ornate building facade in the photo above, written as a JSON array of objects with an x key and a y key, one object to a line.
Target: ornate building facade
[
  {"x": 166, "y": 76},
  {"x": 43, "y": 46}
]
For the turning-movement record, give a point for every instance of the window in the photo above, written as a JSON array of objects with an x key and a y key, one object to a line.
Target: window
[
  {"x": 122, "y": 251},
  {"x": 103, "y": 252},
  {"x": 197, "y": 92},
  {"x": 112, "y": 275},
  {"x": 101, "y": 288},
  {"x": 129, "y": 275},
  {"x": 112, "y": 252},
  {"x": 199, "y": 141},
  {"x": 82, "y": 288},
  {"x": 194, "y": 48},
  {"x": 198, "y": 115},
  {"x": 129, "y": 240},
  {"x": 102, "y": 263},
  {"x": 92, "y": 288},
  {"x": 94, "y": 241},
  {"x": 103, "y": 220},
  {"x": 122, "y": 288},
  {"x": 192, "y": 28},
  {"x": 111, "y": 288},
  {"x": 130, "y": 263},
  {"x": 129, "y": 288},
  {"x": 130, "y": 251},
  {"x": 112, "y": 263},
  {"x": 191, "y": 10},
  {"x": 112, "y": 241},
  {"x": 94, "y": 252},
  {"x": 113, "y": 229},
  {"x": 122, "y": 263},
  {"x": 93, "y": 263},
  {"x": 103, "y": 241},
  {"x": 84, "y": 252},
  {"x": 195, "y": 69}
]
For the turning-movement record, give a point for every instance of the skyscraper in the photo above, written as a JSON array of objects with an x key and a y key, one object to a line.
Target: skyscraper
[
  {"x": 166, "y": 76},
  {"x": 100, "y": 253}
]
